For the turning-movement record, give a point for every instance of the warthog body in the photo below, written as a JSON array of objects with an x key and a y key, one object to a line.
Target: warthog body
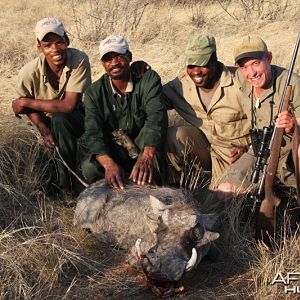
[{"x": 170, "y": 227}]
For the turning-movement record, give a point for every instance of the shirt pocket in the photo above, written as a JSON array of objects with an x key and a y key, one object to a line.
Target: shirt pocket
[{"x": 230, "y": 125}]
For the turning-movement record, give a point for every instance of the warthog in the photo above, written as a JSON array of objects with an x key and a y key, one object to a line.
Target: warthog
[{"x": 162, "y": 221}]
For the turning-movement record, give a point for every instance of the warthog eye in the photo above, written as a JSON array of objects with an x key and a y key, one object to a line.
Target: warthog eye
[
  {"x": 152, "y": 250},
  {"x": 197, "y": 232}
]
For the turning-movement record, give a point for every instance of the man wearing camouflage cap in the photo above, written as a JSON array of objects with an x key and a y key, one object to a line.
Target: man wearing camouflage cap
[
  {"x": 121, "y": 102},
  {"x": 204, "y": 95},
  {"x": 49, "y": 92},
  {"x": 262, "y": 86}
]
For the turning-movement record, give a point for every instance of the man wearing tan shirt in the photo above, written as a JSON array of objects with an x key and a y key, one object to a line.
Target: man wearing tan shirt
[
  {"x": 262, "y": 85},
  {"x": 49, "y": 92},
  {"x": 205, "y": 96}
]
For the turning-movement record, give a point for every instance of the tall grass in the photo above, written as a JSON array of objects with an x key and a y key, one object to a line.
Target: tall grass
[{"x": 41, "y": 255}]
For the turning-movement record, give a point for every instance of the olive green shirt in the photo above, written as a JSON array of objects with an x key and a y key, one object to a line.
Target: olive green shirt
[
  {"x": 76, "y": 77},
  {"x": 141, "y": 113}
]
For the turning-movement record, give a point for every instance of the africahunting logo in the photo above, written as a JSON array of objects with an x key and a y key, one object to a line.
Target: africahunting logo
[{"x": 289, "y": 281}]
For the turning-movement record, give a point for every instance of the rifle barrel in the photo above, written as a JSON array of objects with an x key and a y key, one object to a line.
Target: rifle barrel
[
  {"x": 287, "y": 82},
  {"x": 291, "y": 68}
]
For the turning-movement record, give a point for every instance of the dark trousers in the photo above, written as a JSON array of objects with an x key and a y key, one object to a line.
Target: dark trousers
[{"x": 67, "y": 128}]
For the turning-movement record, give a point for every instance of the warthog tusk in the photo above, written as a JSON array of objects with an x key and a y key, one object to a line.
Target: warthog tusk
[
  {"x": 138, "y": 247},
  {"x": 191, "y": 263}
]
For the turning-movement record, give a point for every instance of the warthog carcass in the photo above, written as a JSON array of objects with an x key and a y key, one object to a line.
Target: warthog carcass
[{"x": 162, "y": 221}]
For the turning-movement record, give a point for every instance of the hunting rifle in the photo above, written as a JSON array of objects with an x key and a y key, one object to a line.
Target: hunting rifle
[{"x": 265, "y": 224}]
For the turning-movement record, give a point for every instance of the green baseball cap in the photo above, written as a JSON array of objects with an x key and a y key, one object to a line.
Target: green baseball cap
[
  {"x": 250, "y": 46},
  {"x": 199, "y": 50}
]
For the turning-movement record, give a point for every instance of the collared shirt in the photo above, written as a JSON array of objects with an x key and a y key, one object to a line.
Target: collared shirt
[
  {"x": 33, "y": 82},
  {"x": 223, "y": 121},
  {"x": 141, "y": 113},
  {"x": 267, "y": 110},
  {"x": 270, "y": 98},
  {"x": 129, "y": 87}
]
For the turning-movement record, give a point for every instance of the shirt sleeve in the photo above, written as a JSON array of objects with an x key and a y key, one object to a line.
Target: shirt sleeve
[
  {"x": 156, "y": 123},
  {"x": 24, "y": 87},
  {"x": 167, "y": 91},
  {"x": 80, "y": 77},
  {"x": 94, "y": 124}
]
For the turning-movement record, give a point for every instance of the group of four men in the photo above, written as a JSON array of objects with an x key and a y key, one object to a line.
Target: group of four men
[{"x": 220, "y": 105}]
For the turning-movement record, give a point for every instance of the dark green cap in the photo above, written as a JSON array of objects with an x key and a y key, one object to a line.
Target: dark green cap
[{"x": 199, "y": 50}]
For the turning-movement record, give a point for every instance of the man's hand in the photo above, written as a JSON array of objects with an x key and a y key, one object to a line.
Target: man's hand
[
  {"x": 18, "y": 107},
  {"x": 236, "y": 153},
  {"x": 48, "y": 137},
  {"x": 285, "y": 120},
  {"x": 139, "y": 68},
  {"x": 142, "y": 171},
  {"x": 113, "y": 172}
]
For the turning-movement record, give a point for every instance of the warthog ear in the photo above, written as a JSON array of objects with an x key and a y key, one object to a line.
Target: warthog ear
[
  {"x": 208, "y": 237},
  {"x": 157, "y": 206},
  {"x": 208, "y": 220}
]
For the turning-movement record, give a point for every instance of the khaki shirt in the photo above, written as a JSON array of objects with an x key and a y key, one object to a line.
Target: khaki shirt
[
  {"x": 33, "y": 82},
  {"x": 272, "y": 93},
  {"x": 268, "y": 109},
  {"x": 224, "y": 123}
]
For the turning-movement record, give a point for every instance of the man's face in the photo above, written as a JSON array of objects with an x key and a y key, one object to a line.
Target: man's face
[
  {"x": 116, "y": 65},
  {"x": 257, "y": 71},
  {"x": 54, "y": 47},
  {"x": 202, "y": 76}
]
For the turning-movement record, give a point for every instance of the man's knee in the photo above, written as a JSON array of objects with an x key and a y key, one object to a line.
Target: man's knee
[{"x": 181, "y": 137}]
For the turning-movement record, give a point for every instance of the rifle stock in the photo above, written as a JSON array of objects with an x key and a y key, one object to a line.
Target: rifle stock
[{"x": 265, "y": 223}]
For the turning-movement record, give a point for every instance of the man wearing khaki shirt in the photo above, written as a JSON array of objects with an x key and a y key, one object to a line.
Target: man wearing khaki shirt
[
  {"x": 206, "y": 98},
  {"x": 49, "y": 92},
  {"x": 262, "y": 85}
]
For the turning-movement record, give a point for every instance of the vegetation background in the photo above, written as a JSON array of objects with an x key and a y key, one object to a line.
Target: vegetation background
[{"x": 42, "y": 256}]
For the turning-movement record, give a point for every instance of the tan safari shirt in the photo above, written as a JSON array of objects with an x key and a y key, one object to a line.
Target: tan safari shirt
[
  {"x": 76, "y": 77},
  {"x": 224, "y": 123}
]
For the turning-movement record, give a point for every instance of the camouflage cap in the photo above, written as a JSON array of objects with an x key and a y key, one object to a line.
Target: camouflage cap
[
  {"x": 48, "y": 25},
  {"x": 250, "y": 46},
  {"x": 199, "y": 50}
]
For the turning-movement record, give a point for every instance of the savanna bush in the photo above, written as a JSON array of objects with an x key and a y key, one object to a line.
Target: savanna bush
[{"x": 96, "y": 19}]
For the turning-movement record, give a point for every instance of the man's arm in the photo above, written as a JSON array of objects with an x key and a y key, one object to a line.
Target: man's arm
[
  {"x": 94, "y": 132},
  {"x": 167, "y": 95},
  {"x": 66, "y": 105},
  {"x": 154, "y": 129}
]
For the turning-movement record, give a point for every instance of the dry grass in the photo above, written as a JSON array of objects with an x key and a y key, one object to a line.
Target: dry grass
[{"x": 42, "y": 256}]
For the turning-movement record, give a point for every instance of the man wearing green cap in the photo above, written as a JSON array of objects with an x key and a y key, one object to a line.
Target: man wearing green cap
[
  {"x": 205, "y": 97},
  {"x": 262, "y": 86},
  {"x": 49, "y": 92}
]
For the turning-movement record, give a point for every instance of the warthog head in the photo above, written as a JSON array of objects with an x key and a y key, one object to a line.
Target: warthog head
[
  {"x": 161, "y": 225},
  {"x": 182, "y": 240}
]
